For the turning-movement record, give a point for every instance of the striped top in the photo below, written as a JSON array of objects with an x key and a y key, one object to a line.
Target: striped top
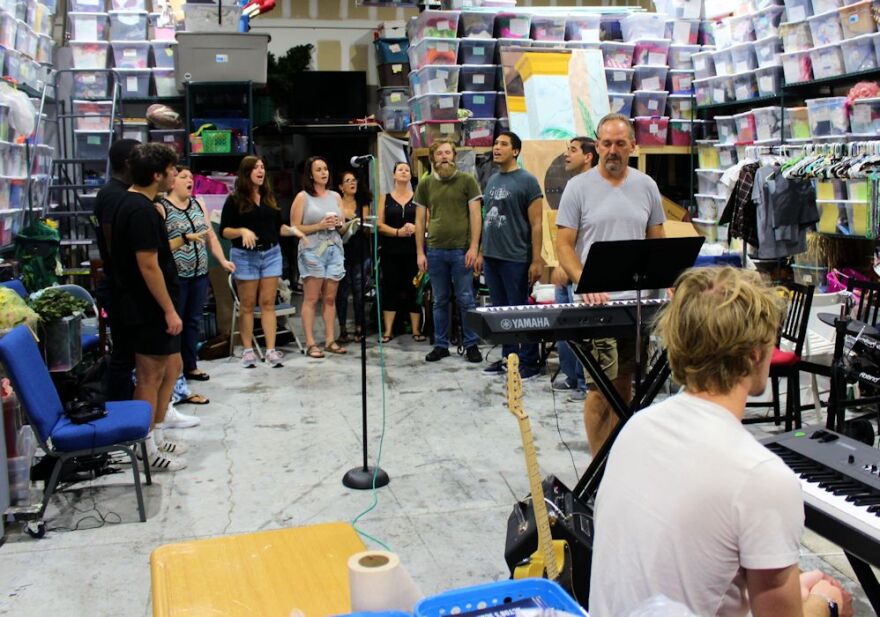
[{"x": 191, "y": 259}]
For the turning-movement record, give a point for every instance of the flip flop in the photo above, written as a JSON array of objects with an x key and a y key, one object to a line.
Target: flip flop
[
  {"x": 314, "y": 352},
  {"x": 358, "y": 337},
  {"x": 344, "y": 338},
  {"x": 200, "y": 376},
  {"x": 334, "y": 347},
  {"x": 387, "y": 338},
  {"x": 194, "y": 399},
  {"x": 419, "y": 338}
]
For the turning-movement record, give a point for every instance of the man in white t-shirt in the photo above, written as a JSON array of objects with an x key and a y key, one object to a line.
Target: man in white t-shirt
[{"x": 691, "y": 506}]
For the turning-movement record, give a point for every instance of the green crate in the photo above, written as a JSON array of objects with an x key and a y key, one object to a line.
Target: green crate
[{"x": 217, "y": 142}]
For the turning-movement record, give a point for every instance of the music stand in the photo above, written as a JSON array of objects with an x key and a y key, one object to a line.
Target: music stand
[{"x": 636, "y": 265}]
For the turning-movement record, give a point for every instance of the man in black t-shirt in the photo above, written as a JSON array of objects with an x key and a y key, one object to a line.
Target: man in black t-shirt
[
  {"x": 117, "y": 384},
  {"x": 145, "y": 283}
]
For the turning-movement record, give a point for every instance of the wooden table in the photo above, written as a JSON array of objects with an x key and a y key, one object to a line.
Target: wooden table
[{"x": 266, "y": 573}]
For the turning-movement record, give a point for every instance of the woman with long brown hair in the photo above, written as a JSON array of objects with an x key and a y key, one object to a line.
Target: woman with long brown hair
[
  {"x": 317, "y": 213},
  {"x": 251, "y": 219}
]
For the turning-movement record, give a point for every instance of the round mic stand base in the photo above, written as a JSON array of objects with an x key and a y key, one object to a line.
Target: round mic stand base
[{"x": 361, "y": 478}]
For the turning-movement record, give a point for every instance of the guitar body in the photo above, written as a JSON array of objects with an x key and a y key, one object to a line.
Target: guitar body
[{"x": 535, "y": 566}]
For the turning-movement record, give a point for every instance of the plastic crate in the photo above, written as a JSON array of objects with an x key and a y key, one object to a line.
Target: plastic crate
[
  {"x": 26, "y": 41},
  {"x": 825, "y": 28},
  {"x": 204, "y": 17},
  {"x": 649, "y": 103},
  {"x": 164, "y": 82},
  {"x": 710, "y": 206},
  {"x": 131, "y": 54},
  {"x": 767, "y": 51},
  {"x": 704, "y": 65},
  {"x": 683, "y": 31},
  {"x": 135, "y": 83},
  {"x": 768, "y": 123},
  {"x": 651, "y": 51},
  {"x": 476, "y": 51},
  {"x": 857, "y": 19},
  {"x": 796, "y": 67},
  {"x": 582, "y": 28},
  {"x": 96, "y": 115},
  {"x": 548, "y": 27},
  {"x": 865, "y": 117},
  {"x": 160, "y": 29},
  {"x": 216, "y": 142},
  {"x": 643, "y": 26},
  {"x": 621, "y": 103},
  {"x": 680, "y": 82},
  {"x": 827, "y": 61},
  {"x": 434, "y": 24},
  {"x": 798, "y": 10},
  {"x": 745, "y": 87},
  {"x": 745, "y": 127},
  {"x": 723, "y": 60},
  {"x": 393, "y": 97},
  {"x": 434, "y": 80},
  {"x": 859, "y": 53},
  {"x": 709, "y": 181},
  {"x": 433, "y": 51},
  {"x": 163, "y": 54},
  {"x": 797, "y": 125},
  {"x": 391, "y": 50},
  {"x": 172, "y": 138},
  {"x": 766, "y": 22},
  {"x": 496, "y": 595},
  {"x": 92, "y": 144},
  {"x": 393, "y": 74},
  {"x": 477, "y": 77},
  {"x": 741, "y": 28},
  {"x": 617, "y": 55},
  {"x": 828, "y": 116},
  {"x": 681, "y": 132},
  {"x": 480, "y": 104},
  {"x": 394, "y": 117},
  {"x": 512, "y": 25},
  {"x": 726, "y": 129},
  {"x": 619, "y": 81},
  {"x": 707, "y": 154},
  {"x": 88, "y": 85},
  {"x": 681, "y": 57},
  {"x": 743, "y": 57},
  {"x": 45, "y": 49},
  {"x": 89, "y": 55},
  {"x": 128, "y": 25},
  {"x": 727, "y": 155},
  {"x": 646, "y": 77},
  {"x": 434, "y": 130},
  {"x": 651, "y": 131},
  {"x": 435, "y": 106},
  {"x": 88, "y": 26},
  {"x": 476, "y": 24},
  {"x": 680, "y": 107},
  {"x": 139, "y": 131},
  {"x": 12, "y": 64},
  {"x": 479, "y": 132},
  {"x": 810, "y": 275},
  {"x": 86, "y": 6},
  {"x": 795, "y": 36}
]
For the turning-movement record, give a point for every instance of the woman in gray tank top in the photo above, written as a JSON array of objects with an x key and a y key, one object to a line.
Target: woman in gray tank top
[{"x": 317, "y": 213}]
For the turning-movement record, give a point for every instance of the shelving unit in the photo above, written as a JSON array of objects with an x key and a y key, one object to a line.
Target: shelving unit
[{"x": 217, "y": 102}]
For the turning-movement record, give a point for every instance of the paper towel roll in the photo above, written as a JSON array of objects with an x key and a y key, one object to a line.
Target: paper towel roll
[{"x": 378, "y": 582}]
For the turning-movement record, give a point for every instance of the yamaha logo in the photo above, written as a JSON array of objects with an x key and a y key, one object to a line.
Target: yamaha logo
[
  {"x": 506, "y": 324},
  {"x": 525, "y": 323}
]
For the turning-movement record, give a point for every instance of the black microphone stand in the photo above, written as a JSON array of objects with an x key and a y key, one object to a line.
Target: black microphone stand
[{"x": 362, "y": 477}]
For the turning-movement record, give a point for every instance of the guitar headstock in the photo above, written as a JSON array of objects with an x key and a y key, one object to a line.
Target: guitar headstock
[{"x": 514, "y": 388}]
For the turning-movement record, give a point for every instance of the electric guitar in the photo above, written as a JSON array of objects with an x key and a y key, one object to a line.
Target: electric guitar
[{"x": 552, "y": 560}]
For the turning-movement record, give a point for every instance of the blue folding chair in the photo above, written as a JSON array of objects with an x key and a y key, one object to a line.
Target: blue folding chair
[{"x": 123, "y": 428}]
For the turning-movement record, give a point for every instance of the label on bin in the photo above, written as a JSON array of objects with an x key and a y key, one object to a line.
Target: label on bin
[
  {"x": 396, "y": 68},
  {"x": 479, "y": 79},
  {"x": 442, "y": 47},
  {"x": 519, "y": 27},
  {"x": 796, "y": 13},
  {"x": 589, "y": 36},
  {"x": 437, "y": 85},
  {"x": 854, "y": 18},
  {"x": 88, "y": 79},
  {"x": 619, "y": 76},
  {"x": 131, "y": 84},
  {"x": 653, "y": 128},
  {"x": 93, "y": 140},
  {"x": 447, "y": 128},
  {"x": 131, "y": 52},
  {"x": 395, "y": 48},
  {"x": 657, "y": 57},
  {"x": 479, "y": 99},
  {"x": 725, "y": 158},
  {"x": 653, "y": 104},
  {"x": 681, "y": 32},
  {"x": 479, "y": 51},
  {"x": 445, "y": 102},
  {"x": 765, "y": 84},
  {"x": 168, "y": 139},
  {"x": 699, "y": 63},
  {"x": 651, "y": 83},
  {"x": 395, "y": 97},
  {"x": 442, "y": 25},
  {"x": 684, "y": 105},
  {"x": 478, "y": 133},
  {"x": 742, "y": 92},
  {"x": 87, "y": 29},
  {"x": 718, "y": 95},
  {"x": 221, "y": 58}
]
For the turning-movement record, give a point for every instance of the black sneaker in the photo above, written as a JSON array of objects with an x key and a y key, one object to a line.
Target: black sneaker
[
  {"x": 496, "y": 368},
  {"x": 438, "y": 353},
  {"x": 473, "y": 354}
]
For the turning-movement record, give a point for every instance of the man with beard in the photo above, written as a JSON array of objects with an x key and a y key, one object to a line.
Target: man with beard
[
  {"x": 609, "y": 202},
  {"x": 451, "y": 201}
]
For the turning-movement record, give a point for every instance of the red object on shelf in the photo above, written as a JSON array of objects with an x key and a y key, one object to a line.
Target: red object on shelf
[{"x": 651, "y": 131}]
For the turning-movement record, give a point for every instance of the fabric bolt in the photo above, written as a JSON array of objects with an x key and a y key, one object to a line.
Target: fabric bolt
[
  {"x": 507, "y": 232},
  {"x": 447, "y": 202}
]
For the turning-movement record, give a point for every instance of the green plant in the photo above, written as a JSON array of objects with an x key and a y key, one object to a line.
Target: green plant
[
  {"x": 53, "y": 304},
  {"x": 281, "y": 69}
]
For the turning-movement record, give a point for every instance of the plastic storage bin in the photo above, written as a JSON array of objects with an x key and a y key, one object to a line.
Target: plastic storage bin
[
  {"x": 45, "y": 49},
  {"x": 131, "y": 54},
  {"x": 138, "y": 130},
  {"x": 796, "y": 67},
  {"x": 92, "y": 144},
  {"x": 745, "y": 86},
  {"x": 681, "y": 57},
  {"x": 798, "y": 10},
  {"x": 828, "y": 116},
  {"x": 682, "y": 31},
  {"x": 391, "y": 97},
  {"x": 704, "y": 65},
  {"x": 89, "y": 55},
  {"x": 827, "y": 61},
  {"x": 548, "y": 27},
  {"x": 857, "y": 19},
  {"x": 203, "y": 17},
  {"x": 741, "y": 28},
  {"x": 619, "y": 80},
  {"x": 164, "y": 83},
  {"x": 476, "y": 51},
  {"x": 128, "y": 5},
  {"x": 859, "y": 53},
  {"x": 391, "y": 50},
  {"x": 727, "y": 156},
  {"x": 722, "y": 89},
  {"x": 703, "y": 91},
  {"x": 865, "y": 116},
  {"x": 681, "y": 132},
  {"x": 135, "y": 83},
  {"x": 767, "y": 51},
  {"x": 651, "y": 51},
  {"x": 394, "y": 74},
  {"x": 128, "y": 25},
  {"x": 434, "y": 80},
  {"x": 710, "y": 206},
  {"x": 621, "y": 103},
  {"x": 12, "y": 63},
  {"x": 822, "y": 6},
  {"x": 707, "y": 154},
  {"x": 431, "y": 131},
  {"x": 810, "y": 275},
  {"x": 766, "y": 22},
  {"x": 618, "y": 55},
  {"x": 797, "y": 123},
  {"x": 680, "y": 107},
  {"x": 86, "y": 6},
  {"x": 477, "y": 24},
  {"x": 96, "y": 115},
  {"x": 513, "y": 25},
  {"x": 643, "y": 26},
  {"x": 743, "y": 57},
  {"x": 87, "y": 26},
  {"x": 87, "y": 85},
  {"x": 680, "y": 82},
  {"x": 646, "y": 77},
  {"x": 496, "y": 596},
  {"x": 480, "y": 104},
  {"x": 394, "y": 118},
  {"x": 435, "y": 107},
  {"x": 709, "y": 181},
  {"x": 26, "y": 41},
  {"x": 825, "y": 28},
  {"x": 160, "y": 29},
  {"x": 768, "y": 123},
  {"x": 649, "y": 103},
  {"x": 433, "y": 51},
  {"x": 745, "y": 127},
  {"x": 726, "y": 127},
  {"x": 769, "y": 80},
  {"x": 584, "y": 28},
  {"x": 163, "y": 54},
  {"x": 173, "y": 139},
  {"x": 795, "y": 36},
  {"x": 723, "y": 60},
  {"x": 479, "y": 132},
  {"x": 651, "y": 131},
  {"x": 477, "y": 77}
]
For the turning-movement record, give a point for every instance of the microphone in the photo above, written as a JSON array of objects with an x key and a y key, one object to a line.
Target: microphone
[{"x": 358, "y": 161}]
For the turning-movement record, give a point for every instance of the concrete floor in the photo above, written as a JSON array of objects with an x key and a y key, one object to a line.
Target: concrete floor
[{"x": 271, "y": 452}]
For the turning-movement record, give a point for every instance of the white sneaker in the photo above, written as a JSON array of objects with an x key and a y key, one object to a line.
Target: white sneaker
[
  {"x": 249, "y": 359},
  {"x": 160, "y": 461},
  {"x": 274, "y": 358},
  {"x": 166, "y": 445},
  {"x": 175, "y": 419}
]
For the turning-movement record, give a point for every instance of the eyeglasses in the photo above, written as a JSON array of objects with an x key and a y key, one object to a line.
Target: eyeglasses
[{"x": 349, "y": 180}]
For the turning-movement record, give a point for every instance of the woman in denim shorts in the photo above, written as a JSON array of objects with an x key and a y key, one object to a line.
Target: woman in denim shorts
[
  {"x": 317, "y": 213},
  {"x": 251, "y": 219}
]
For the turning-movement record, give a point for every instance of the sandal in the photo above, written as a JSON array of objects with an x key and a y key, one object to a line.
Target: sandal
[
  {"x": 358, "y": 336},
  {"x": 344, "y": 338},
  {"x": 197, "y": 376},
  {"x": 334, "y": 347},
  {"x": 194, "y": 399},
  {"x": 387, "y": 338},
  {"x": 315, "y": 352},
  {"x": 418, "y": 337}
]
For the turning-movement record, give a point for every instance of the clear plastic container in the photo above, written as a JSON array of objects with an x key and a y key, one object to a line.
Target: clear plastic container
[
  {"x": 135, "y": 83},
  {"x": 477, "y": 24},
  {"x": 130, "y": 54},
  {"x": 703, "y": 91},
  {"x": 767, "y": 51},
  {"x": 435, "y": 24},
  {"x": 723, "y": 59},
  {"x": 391, "y": 97},
  {"x": 745, "y": 127},
  {"x": 796, "y": 67},
  {"x": 583, "y": 28},
  {"x": 859, "y": 54},
  {"x": 394, "y": 118},
  {"x": 743, "y": 57},
  {"x": 478, "y": 77},
  {"x": 766, "y": 22},
  {"x": 504, "y": 44},
  {"x": 512, "y": 25},
  {"x": 647, "y": 77},
  {"x": 435, "y": 107},
  {"x": 795, "y": 36},
  {"x": 476, "y": 51},
  {"x": 704, "y": 65},
  {"x": 651, "y": 51},
  {"x": 828, "y": 116},
  {"x": 161, "y": 29},
  {"x": 865, "y": 116},
  {"x": 548, "y": 27},
  {"x": 798, "y": 10},
  {"x": 710, "y": 206},
  {"x": 680, "y": 82},
  {"x": 825, "y": 28},
  {"x": 822, "y": 6},
  {"x": 714, "y": 33},
  {"x": 683, "y": 31},
  {"x": 769, "y": 80},
  {"x": 26, "y": 40},
  {"x": 618, "y": 55},
  {"x": 619, "y": 80},
  {"x": 681, "y": 132},
  {"x": 480, "y": 104},
  {"x": 727, "y": 155},
  {"x": 857, "y": 19},
  {"x": 434, "y": 80},
  {"x": 651, "y": 131},
  {"x": 88, "y": 85},
  {"x": 12, "y": 63},
  {"x": 709, "y": 181},
  {"x": 163, "y": 54},
  {"x": 680, "y": 107},
  {"x": 741, "y": 28},
  {"x": 479, "y": 132},
  {"x": 164, "y": 83},
  {"x": 128, "y": 25},
  {"x": 797, "y": 123},
  {"x": 745, "y": 86},
  {"x": 171, "y": 138},
  {"x": 649, "y": 103},
  {"x": 89, "y": 55},
  {"x": 722, "y": 89},
  {"x": 92, "y": 144},
  {"x": 88, "y": 26},
  {"x": 45, "y": 49},
  {"x": 827, "y": 61},
  {"x": 707, "y": 154},
  {"x": 621, "y": 103},
  {"x": 128, "y": 5},
  {"x": 432, "y": 131},
  {"x": 681, "y": 57},
  {"x": 643, "y": 26},
  {"x": 429, "y": 51},
  {"x": 86, "y": 6},
  {"x": 140, "y": 131},
  {"x": 768, "y": 122},
  {"x": 96, "y": 115},
  {"x": 726, "y": 127},
  {"x": 415, "y": 135}
]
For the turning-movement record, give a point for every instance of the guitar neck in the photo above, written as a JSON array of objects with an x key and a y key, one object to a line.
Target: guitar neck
[{"x": 542, "y": 521}]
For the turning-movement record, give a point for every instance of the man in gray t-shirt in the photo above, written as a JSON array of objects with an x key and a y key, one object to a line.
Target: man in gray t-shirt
[
  {"x": 610, "y": 202},
  {"x": 511, "y": 242}
]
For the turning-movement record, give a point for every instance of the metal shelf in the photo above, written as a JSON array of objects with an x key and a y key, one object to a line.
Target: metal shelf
[
  {"x": 837, "y": 80},
  {"x": 146, "y": 100},
  {"x": 773, "y": 98}
]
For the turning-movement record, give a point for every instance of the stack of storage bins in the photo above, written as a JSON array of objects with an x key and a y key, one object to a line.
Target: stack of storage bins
[
  {"x": 393, "y": 109},
  {"x": 26, "y": 46}
]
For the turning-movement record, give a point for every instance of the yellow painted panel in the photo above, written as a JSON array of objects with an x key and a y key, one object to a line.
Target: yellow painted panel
[
  {"x": 299, "y": 9},
  {"x": 328, "y": 9},
  {"x": 329, "y": 56},
  {"x": 357, "y": 57}
]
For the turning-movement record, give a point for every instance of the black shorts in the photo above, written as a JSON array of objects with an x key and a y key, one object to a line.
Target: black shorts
[{"x": 152, "y": 340}]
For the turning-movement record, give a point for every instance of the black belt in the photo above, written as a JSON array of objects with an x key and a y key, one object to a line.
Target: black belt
[{"x": 262, "y": 247}]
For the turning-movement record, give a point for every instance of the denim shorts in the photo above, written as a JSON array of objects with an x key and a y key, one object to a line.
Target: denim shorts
[
  {"x": 329, "y": 264},
  {"x": 256, "y": 265}
]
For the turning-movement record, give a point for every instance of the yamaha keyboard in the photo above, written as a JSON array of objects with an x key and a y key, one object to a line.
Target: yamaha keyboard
[
  {"x": 535, "y": 323},
  {"x": 840, "y": 478}
]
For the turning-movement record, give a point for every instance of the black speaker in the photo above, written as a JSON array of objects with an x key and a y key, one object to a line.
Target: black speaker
[{"x": 570, "y": 520}]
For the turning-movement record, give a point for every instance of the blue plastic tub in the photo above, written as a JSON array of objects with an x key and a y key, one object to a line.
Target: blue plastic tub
[
  {"x": 476, "y": 51},
  {"x": 390, "y": 51},
  {"x": 467, "y": 599},
  {"x": 477, "y": 77},
  {"x": 480, "y": 104}
]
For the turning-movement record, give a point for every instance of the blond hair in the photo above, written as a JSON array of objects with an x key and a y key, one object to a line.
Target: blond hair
[
  {"x": 432, "y": 149},
  {"x": 716, "y": 319}
]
